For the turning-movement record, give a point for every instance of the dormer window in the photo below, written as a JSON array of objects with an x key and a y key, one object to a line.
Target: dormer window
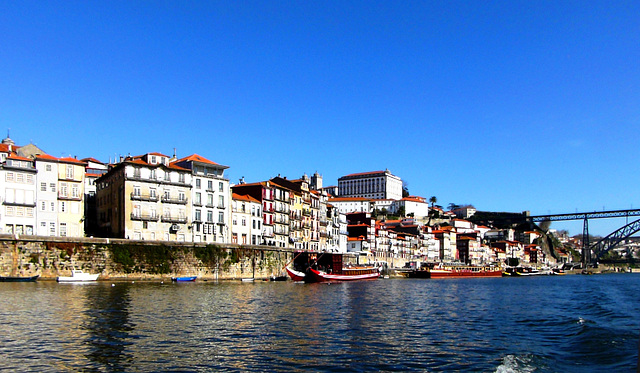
[{"x": 153, "y": 159}]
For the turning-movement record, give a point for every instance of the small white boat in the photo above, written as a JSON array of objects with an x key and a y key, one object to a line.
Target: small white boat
[{"x": 77, "y": 275}]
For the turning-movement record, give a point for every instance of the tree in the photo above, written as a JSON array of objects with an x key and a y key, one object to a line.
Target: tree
[
  {"x": 401, "y": 212},
  {"x": 453, "y": 206},
  {"x": 433, "y": 201},
  {"x": 405, "y": 189}
]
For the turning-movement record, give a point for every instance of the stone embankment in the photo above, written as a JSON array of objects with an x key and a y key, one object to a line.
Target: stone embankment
[{"x": 118, "y": 259}]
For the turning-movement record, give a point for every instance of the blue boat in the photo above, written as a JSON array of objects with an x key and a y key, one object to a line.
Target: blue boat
[
  {"x": 18, "y": 278},
  {"x": 184, "y": 279}
]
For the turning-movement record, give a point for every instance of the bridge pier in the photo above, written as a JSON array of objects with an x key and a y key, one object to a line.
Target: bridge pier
[{"x": 586, "y": 247}]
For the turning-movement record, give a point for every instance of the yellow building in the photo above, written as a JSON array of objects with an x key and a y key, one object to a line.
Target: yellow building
[
  {"x": 145, "y": 198},
  {"x": 71, "y": 173}
]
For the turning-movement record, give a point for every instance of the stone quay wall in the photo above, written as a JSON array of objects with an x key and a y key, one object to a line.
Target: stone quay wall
[{"x": 119, "y": 259}]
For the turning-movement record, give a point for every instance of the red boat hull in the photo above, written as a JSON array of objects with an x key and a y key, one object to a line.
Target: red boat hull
[
  {"x": 329, "y": 277},
  {"x": 295, "y": 275}
]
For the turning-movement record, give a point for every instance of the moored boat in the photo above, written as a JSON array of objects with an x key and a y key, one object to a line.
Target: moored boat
[
  {"x": 455, "y": 270},
  {"x": 77, "y": 275},
  {"x": 351, "y": 274},
  {"x": 295, "y": 275},
  {"x": 184, "y": 278},
  {"x": 18, "y": 278},
  {"x": 323, "y": 267}
]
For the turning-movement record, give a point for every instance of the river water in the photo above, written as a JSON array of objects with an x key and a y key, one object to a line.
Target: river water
[{"x": 542, "y": 324}]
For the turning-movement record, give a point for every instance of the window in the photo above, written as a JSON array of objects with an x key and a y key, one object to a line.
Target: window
[
  {"x": 63, "y": 229},
  {"x": 75, "y": 192},
  {"x": 210, "y": 185},
  {"x": 167, "y": 194},
  {"x": 69, "y": 171},
  {"x": 20, "y": 178},
  {"x": 198, "y": 215},
  {"x": 63, "y": 189},
  {"x": 48, "y": 167},
  {"x": 181, "y": 178},
  {"x": 152, "y": 192},
  {"x": 234, "y": 220},
  {"x": 63, "y": 207},
  {"x": 221, "y": 202},
  {"x": 29, "y": 179},
  {"x": 53, "y": 206},
  {"x": 210, "y": 199},
  {"x": 198, "y": 200},
  {"x": 43, "y": 187},
  {"x": 221, "y": 217},
  {"x": 181, "y": 196},
  {"x": 52, "y": 229},
  {"x": 10, "y": 176},
  {"x": 52, "y": 186},
  {"x": 167, "y": 176},
  {"x": 153, "y": 175},
  {"x": 43, "y": 206},
  {"x": 198, "y": 183},
  {"x": 221, "y": 186},
  {"x": 209, "y": 216},
  {"x": 244, "y": 239},
  {"x": 244, "y": 222},
  {"x": 136, "y": 191}
]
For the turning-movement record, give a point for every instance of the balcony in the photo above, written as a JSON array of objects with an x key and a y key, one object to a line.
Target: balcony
[
  {"x": 144, "y": 217},
  {"x": 173, "y": 219},
  {"x": 176, "y": 201},
  {"x": 221, "y": 207},
  {"x": 144, "y": 197}
]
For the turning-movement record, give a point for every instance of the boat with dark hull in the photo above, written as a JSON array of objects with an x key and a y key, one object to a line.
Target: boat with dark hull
[
  {"x": 351, "y": 274},
  {"x": 19, "y": 278},
  {"x": 328, "y": 267}
]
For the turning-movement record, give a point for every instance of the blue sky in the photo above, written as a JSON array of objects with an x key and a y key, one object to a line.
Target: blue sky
[{"x": 506, "y": 105}]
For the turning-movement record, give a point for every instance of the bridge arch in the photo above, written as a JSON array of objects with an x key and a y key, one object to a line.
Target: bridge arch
[{"x": 609, "y": 242}]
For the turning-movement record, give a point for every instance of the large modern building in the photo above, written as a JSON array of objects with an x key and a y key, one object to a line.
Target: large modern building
[{"x": 372, "y": 185}]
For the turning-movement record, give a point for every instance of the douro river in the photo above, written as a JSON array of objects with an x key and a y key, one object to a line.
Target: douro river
[{"x": 534, "y": 324}]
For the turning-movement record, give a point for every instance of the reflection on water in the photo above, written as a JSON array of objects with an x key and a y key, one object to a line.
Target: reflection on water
[{"x": 548, "y": 324}]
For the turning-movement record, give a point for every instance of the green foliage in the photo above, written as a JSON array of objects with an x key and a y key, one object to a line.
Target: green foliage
[
  {"x": 34, "y": 258},
  {"x": 211, "y": 255},
  {"x": 153, "y": 259}
]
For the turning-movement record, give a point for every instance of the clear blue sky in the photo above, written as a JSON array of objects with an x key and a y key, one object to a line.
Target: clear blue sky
[{"x": 506, "y": 105}]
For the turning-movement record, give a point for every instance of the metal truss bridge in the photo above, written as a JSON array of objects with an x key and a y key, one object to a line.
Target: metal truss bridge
[{"x": 592, "y": 253}]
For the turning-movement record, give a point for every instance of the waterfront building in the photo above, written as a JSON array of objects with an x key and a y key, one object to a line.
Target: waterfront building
[
  {"x": 145, "y": 198},
  {"x": 47, "y": 195},
  {"x": 246, "y": 220},
  {"x": 336, "y": 230},
  {"x": 93, "y": 170},
  {"x": 70, "y": 197},
  {"x": 264, "y": 193},
  {"x": 371, "y": 185},
  {"x": 210, "y": 196},
  {"x": 18, "y": 185}
]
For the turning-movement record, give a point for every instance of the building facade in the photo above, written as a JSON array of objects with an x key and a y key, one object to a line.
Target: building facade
[
  {"x": 372, "y": 185},
  {"x": 145, "y": 198},
  {"x": 210, "y": 198}
]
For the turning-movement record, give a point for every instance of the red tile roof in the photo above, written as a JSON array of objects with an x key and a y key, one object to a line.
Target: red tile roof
[
  {"x": 244, "y": 197},
  {"x": 196, "y": 158},
  {"x": 366, "y": 173}
]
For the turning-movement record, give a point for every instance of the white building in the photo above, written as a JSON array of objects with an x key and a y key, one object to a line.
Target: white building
[
  {"x": 47, "y": 195},
  {"x": 246, "y": 220},
  {"x": 414, "y": 206},
  {"x": 210, "y": 197},
  {"x": 373, "y": 185},
  {"x": 348, "y": 205},
  {"x": 18, "y": 185}
]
